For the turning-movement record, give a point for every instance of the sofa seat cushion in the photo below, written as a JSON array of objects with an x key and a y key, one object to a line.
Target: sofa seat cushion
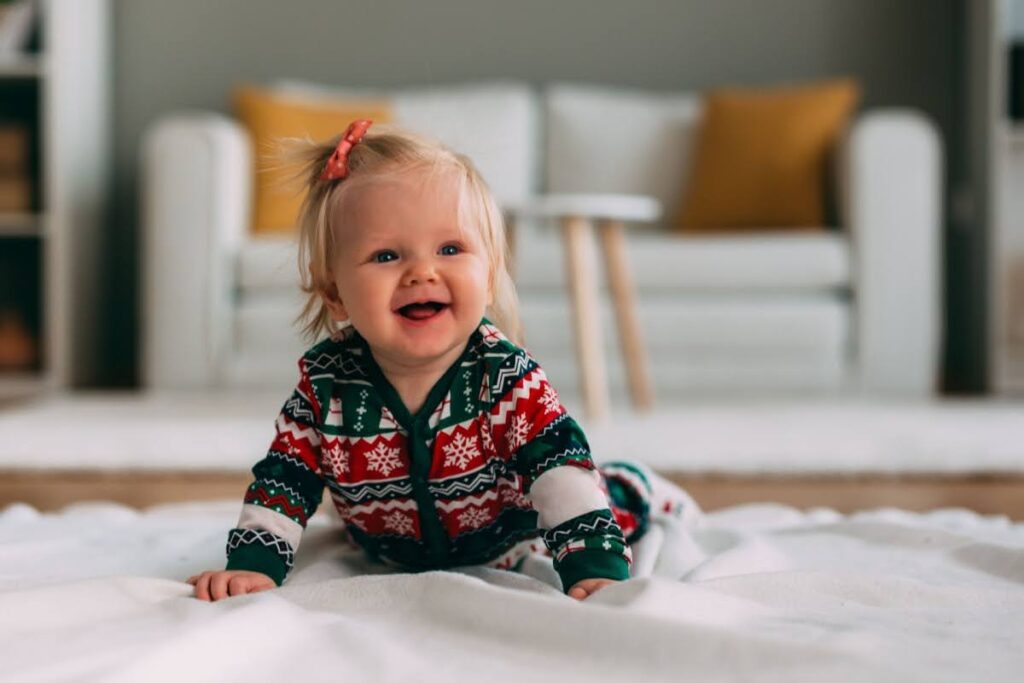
[
  {"x": 268, "y": 264},
  {"x": 695, "y": 341},
  {"x": 662, "y": 261},
  {"x": 726, "y": 326}
]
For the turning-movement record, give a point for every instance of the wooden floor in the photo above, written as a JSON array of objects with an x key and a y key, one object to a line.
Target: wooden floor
[{"x": 987, "y": 494}]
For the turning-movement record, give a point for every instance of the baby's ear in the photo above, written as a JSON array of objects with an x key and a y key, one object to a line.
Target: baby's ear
[{"x": 332, "y": 300}]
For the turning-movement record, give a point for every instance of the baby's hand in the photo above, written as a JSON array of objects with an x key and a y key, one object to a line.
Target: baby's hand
[
  {"x": 582, "y": 590},
  {"x": 220, "y": 584}
]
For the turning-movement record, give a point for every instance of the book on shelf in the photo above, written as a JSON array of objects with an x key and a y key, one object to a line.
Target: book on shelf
[
  {"x": 15, "y": 178},
  {"x": 17, "y": 19},
  {"x": 15, "y": 194},
  {"x": 14, "y": 143},
  {"x": 18, "y": 350}
]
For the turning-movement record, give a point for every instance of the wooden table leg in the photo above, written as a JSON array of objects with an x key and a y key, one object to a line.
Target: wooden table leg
[
  {"x": 579, "y": 259},
  {"x": 510, "y": 242},
  {"x": 620, "y": 281}
]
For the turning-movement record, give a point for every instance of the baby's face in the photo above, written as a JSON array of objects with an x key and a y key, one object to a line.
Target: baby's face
[{"x": 413, "y": 283}]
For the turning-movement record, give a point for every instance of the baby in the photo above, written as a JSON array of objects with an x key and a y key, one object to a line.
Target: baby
[{"x": 440, "y": 440}]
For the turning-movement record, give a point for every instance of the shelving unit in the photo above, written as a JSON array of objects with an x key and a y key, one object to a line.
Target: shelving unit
[{"x": 50, "y": 254}]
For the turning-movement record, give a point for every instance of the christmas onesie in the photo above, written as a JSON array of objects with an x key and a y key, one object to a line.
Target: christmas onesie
[{"x": 491, "y": 464}]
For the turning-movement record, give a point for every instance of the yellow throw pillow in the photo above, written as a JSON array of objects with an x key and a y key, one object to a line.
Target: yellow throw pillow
[
  {"x": 761, "y": 156},
  {"x": 269, "y": 116}
]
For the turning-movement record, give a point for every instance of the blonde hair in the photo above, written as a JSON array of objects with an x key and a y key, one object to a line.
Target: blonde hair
[{"x": 383, "y": 151}]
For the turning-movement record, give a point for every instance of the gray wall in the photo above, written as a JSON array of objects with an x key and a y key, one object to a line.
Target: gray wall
[{"x": 189, "y": 53}]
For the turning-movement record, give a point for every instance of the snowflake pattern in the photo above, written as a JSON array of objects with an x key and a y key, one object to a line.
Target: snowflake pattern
[
  {"x": 337, "y": 459},
  {"x": 460, "y": 451},
  {"x": 517, "y": 432},
  {"x": 510, "y": 495},
  {"x": 486, "y": 439},
  {"x": 399, "y": 522},
  {"x": 473, "y": 518},
  {"x": 550, "y": 399},
  {"x": 383, "y": 459}
]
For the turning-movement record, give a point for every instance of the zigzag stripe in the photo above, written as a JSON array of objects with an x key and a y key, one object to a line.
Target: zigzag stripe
[
  {"x": 505, "y": 374},
  {"x": 360, "y": 492},
  {"x": 460, "y": 503},
  {"x": 263, "y": 519},
  {"x": 294, "y": 429},
  {"x": 552, "y": 425},
  {"x": 290, "y": 459},
  {"x": 404, "y": 504},
  {"x": 349, "y": 440},
  {"x": 603, "y": 524},
  {"x": 549, "y": 461},
  {"x": 464, "y": 425},
  {"x": 297, "y": 407},
  {"x": 274, "y": 483},
  {"x": 240, "y": 537},
  {"x": 485, "y": 476},
  {"x": 501, "y": 411},
  {"x": 281, "y": 500}
]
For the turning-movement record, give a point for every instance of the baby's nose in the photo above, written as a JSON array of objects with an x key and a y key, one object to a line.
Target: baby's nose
[{"x": 419, "y": 273}]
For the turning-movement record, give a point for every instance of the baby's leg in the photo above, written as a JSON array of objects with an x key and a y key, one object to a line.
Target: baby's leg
[{"x": 637, "y": 495}]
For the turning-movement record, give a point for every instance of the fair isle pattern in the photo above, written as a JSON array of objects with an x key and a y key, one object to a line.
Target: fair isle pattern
[
  {"x": 595, "y": 530},
  {"x": 465, "y": 499},
  {"x": 244, "y": 537}
]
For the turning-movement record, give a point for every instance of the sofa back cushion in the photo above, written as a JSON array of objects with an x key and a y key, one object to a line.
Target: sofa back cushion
[
  {"x": 619, "y": 140},
  {"x": 495, "y": 124},
  {"x": 762, "y": 156},
  {"x": 270, "y": 116}
]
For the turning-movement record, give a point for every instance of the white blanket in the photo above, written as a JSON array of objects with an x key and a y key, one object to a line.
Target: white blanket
[{"x": 758, "y": 593}]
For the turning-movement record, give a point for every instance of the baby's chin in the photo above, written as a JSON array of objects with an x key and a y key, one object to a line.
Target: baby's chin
[{"x": 419, "y": 344}]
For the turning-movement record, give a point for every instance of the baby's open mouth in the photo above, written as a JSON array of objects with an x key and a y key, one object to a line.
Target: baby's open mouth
[{"x": 422, "y": 311}]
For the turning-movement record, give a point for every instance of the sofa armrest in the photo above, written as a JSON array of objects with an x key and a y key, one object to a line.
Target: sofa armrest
[
  {"x": 621, "y": 207},
  {"x": 196, "y": 188},
  {"x": 891, "y": 194}
]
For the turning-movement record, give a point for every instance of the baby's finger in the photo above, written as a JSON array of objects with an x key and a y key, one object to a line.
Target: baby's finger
[
  {"x": 203, "y": 587},
  {"x": 219, "y": 585},
  {"x": 577, "y": 592},
  {"x": 192, "y": 579},
  {"x": 239, "y": 585}
]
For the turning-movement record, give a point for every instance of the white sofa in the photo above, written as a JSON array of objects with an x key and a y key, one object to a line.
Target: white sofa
[{"x": 853, "y": 308}]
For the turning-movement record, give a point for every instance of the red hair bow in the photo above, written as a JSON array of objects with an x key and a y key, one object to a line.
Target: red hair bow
[{"x": 337, "y": 165}]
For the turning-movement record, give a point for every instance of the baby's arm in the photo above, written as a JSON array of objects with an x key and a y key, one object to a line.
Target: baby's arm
[
  {"x": 215, "y": 585},
  {"x": 285, "y": 492},
  {"x": 552, "y": 456}
]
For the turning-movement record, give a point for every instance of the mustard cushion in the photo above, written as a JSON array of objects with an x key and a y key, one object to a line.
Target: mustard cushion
[
  {"x": 761, "y": 156},
  {"x": 269, "y": 116}
]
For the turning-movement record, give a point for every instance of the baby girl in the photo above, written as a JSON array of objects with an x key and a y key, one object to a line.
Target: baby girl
[{"x": 440, "y": 440}]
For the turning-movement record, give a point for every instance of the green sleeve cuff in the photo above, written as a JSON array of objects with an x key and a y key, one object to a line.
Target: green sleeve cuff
[
  {"x": 591, "y": 564},
  {"x": 258, "y": 558}
]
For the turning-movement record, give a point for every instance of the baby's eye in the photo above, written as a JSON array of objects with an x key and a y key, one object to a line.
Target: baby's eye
[
  {"x": 385, "y": 256},
  {"x": 450, "y": 250}
]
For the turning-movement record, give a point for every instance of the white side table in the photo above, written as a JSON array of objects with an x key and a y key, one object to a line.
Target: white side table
[{"x": 579, "y": 215}]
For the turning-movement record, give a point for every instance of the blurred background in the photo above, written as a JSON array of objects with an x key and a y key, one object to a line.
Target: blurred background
[{"x": 807, "y": 202}]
